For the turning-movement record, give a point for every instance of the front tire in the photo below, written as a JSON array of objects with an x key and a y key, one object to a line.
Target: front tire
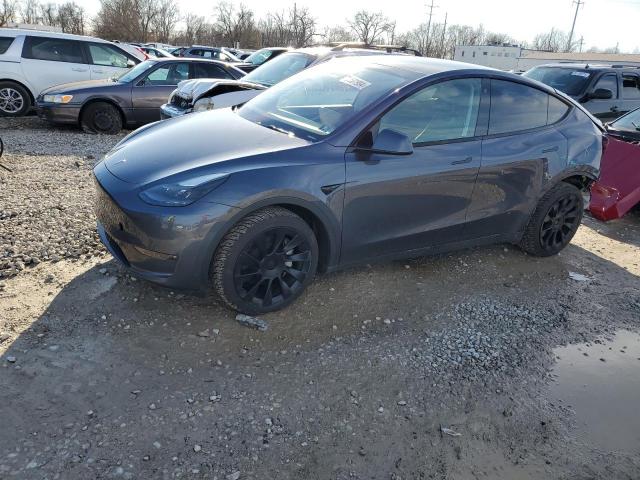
[
  {"x": 554, "y": 222},
  {"x": 265, "y": 261},
  {"x": 101, "y": 117},
  {"x": 15, "y": 101}
]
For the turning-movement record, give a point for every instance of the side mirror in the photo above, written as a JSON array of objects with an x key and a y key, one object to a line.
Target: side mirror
[
  {"x": 392, "y": 142},
  {"x": 601, "y": 94},
  {"x": 131, "y": 63}
]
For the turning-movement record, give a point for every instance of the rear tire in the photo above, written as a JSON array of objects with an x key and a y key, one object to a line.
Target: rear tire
[
  {"x": 265, "y": 261},
  {"x": 554, "y": 222},
  {"x": 15, "y": 100},
  {"x": 101, "y": 117}
]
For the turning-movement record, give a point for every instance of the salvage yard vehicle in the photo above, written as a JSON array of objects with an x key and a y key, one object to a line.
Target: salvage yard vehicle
[
  {"x": 106, "y": 106},
  {"x": 32, "y": 61},
  {"x": 607, "y": 91},
  {"x": 263, "y": 56},
  {"x": 354, "y": 160},
  {"x": 617, "y": 190},
  {"x": 211, "y": 94}
]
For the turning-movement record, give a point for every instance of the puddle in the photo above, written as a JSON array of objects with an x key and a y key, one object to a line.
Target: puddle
[{"x": 605, "y": 395}]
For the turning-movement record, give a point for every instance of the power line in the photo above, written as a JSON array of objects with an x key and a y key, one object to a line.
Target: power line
[{"x": 573, "y": 26}]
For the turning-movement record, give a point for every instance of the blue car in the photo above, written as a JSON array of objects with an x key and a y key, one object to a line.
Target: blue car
[{"x": 354, "y": 160}]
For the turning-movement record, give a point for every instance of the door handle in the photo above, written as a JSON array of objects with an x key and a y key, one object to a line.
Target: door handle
[
  {"x": 460, "y": 162},
  {"x": 98, "y": 71},
  {"x": 76, "y": 69},
  {"x": 550, "y": 149},
  {"x": 614, "y": 108}
]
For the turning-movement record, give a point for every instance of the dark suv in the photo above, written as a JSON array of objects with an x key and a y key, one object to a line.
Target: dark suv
[{"x": 607, "y": 91}]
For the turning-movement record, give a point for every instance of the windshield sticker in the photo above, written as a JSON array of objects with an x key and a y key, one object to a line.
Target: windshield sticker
[
  {"x": 580, "y": 74},
  {"x": 355, "y": 82}
]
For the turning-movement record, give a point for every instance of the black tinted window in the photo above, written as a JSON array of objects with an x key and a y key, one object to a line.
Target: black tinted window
[
  {"x": 444, "y": 111},
  {"x": 516, "y": 107},
  {"x": 608, "y": 82},
  {"x": 631, "y": 86},
  {"x": 205, "y": 70},
  {"x": 5, "y": 43},
  {"x": 557, "y": 110},
  {"x": 53, "y": 49}
]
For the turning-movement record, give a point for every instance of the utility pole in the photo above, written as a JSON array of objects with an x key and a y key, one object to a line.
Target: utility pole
[
  {"x": 581, "y": 43},
  {"x": 573, "y": 26},
  {"x": 430, "y": 7},
  {"x": 444, "y": 30}
]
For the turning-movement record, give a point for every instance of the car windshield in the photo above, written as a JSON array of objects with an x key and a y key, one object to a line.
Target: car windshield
[
  {"x": 630, "y": 121},
  {"x": 136, "y": 71},
  {"x": 314, "y": 103},
  {"x": 568, "y": 80},
  {"x": 280, "y": 68},
  {"x": 259, "y": 57}
]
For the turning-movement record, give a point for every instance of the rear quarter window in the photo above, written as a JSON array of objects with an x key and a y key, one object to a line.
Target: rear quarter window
[
  {"x": 5, "y": 43},
  {"x": 557, "y": 109},
  {"x": 53, "y": 50}
]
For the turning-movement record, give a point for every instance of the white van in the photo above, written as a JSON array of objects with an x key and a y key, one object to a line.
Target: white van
[{"x": 32, "y": 61}]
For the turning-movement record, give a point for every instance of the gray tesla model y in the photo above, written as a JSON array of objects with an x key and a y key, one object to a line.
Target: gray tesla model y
[{"x": 351, "y": 161}]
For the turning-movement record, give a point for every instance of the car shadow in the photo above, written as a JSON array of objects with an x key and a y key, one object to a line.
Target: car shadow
[{"x": 110, "y": 350}]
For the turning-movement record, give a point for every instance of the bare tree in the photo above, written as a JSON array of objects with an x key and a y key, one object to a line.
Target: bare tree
[
  {"x": 128, "y": 20},
  {"x": 302, "y": 25},
  {"x": 337, "y": 34},
  {"x": 369, "y": 26},
  {"x": 8, "y": 9},
  {"x": 49, "y": 14},
  {"x": 195, "y": 29},
  {"x": 165, "y": 21},
  {"x": 236, "y": 25},
  {"x": 29, "y": 11},
  {"x": 71, "y": 18},
  {"x": 553, "y": 41}
]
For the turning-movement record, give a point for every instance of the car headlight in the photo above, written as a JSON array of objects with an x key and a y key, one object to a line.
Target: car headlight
[
  {"x": 203, "y": 105},
  {"x": 58, "y": 98},
  {"x": 182, "y": 192}
]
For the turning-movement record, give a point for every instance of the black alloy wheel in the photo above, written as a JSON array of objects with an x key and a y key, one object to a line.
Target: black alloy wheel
[
  {"x": 555, "y": 221},
  {"x": 560, "y": 223},
  {"x": 265, "y": 261},
  {"x": 272, "y": 267}
]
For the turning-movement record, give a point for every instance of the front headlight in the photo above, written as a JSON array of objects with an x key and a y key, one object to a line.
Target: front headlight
[
  {"x": 182, "y": 192},
  {"x": 58, "y": 98},
  {"x": 203, "y": 105}
]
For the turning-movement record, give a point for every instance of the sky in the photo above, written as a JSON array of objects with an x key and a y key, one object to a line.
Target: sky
[{"x": 602, "y": 23}]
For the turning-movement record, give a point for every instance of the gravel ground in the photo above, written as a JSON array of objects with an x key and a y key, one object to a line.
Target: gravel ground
[
  {"x": 431, "y": 368},
  {"x": 46, "y": 201}
]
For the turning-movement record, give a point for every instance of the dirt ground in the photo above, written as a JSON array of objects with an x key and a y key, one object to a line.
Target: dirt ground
[{"x": 106, "y": 376}]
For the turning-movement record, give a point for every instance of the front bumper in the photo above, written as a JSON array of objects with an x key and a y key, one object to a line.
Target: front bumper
[
  {"x": 171, "y": 111},
  {"x": 58, "y": 113},
  {"x": 171, "y": 246}
]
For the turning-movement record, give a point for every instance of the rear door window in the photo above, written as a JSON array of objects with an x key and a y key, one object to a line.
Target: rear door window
[
  {"x": 630, "y": 87},
  {"x": 53, "y": 50},
  {"x": 170, "y": 74},
  {"x": 207, "y": 70},
  {"x": 5, "y": 43},
  {"x": 516, "y": 107},
  {"x": 608, "y": 82},
  {"x": 107, "y": 55}
]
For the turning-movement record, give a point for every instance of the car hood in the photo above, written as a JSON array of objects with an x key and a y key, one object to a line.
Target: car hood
[
  {"x": 79, "y": 86},
  {"x": 195, "y": 89},
  {"x": 219, "y": 140}
]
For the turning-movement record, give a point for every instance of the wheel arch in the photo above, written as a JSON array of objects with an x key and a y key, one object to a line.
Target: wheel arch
[
  {"x": 32, "y": 97},
  {"x": 316, "y": 216},
  {"x": 95, "y": 100}
]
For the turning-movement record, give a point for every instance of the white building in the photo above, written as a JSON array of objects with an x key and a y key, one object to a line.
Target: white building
[{"x": 513, "y": 57}]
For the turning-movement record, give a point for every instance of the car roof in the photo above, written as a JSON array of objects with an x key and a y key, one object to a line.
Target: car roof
[
  {"x": 420, "y": 66},
  {"x": 590, "y": 66},
  {"x": 16, "y": 32}
]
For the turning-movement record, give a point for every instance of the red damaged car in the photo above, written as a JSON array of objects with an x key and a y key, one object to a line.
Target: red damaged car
[{"x": 618, "y": 189}]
